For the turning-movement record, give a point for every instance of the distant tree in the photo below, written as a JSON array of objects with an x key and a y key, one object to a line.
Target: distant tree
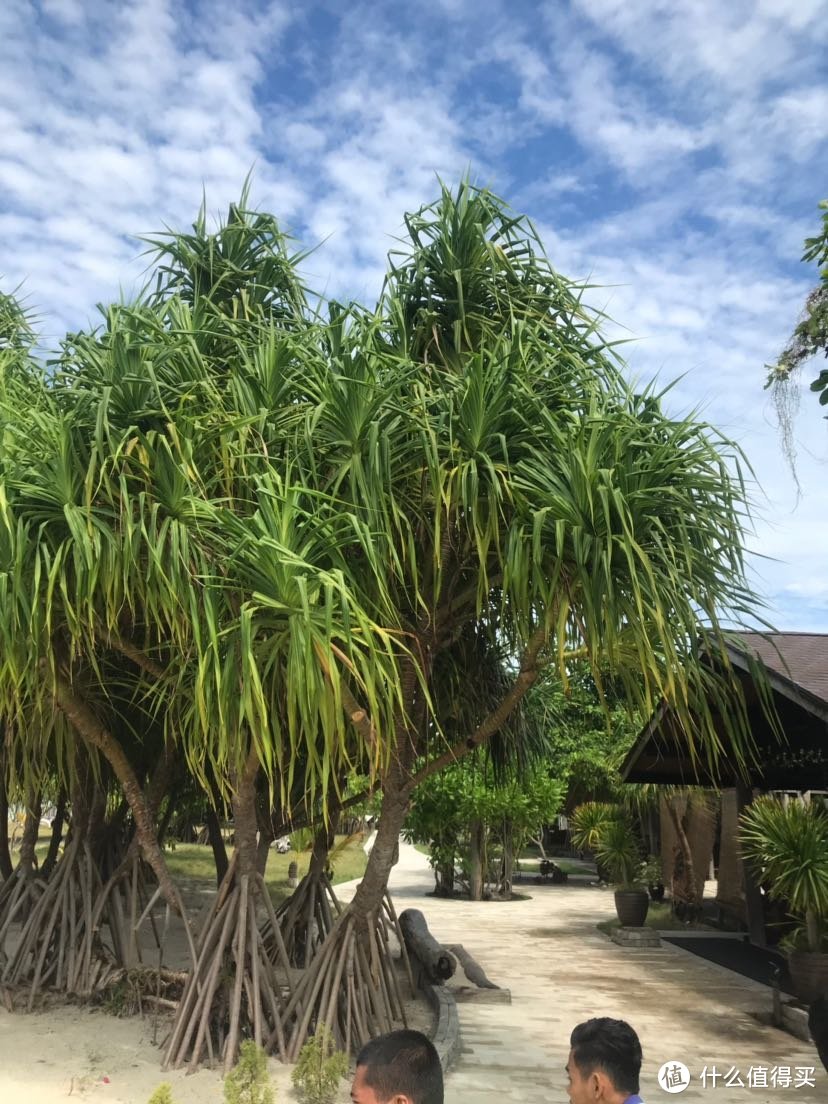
[
  {"x": 481, "y": 819},
  {"x": 587, "y": 733}
]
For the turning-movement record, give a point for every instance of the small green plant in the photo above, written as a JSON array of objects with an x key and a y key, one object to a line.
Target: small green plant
[
  {"x": 320, "y": 1068},
  {"x": 606, "y": 830},
  {"x": 301, "y": 839},
  {"x": 618, "y": 850},
  {"x": 650, "y": 873},
  {"x": 162, "y": 1095},
  {"x": 248, "y": 1082},
  {"x": 589, "y": 821}
]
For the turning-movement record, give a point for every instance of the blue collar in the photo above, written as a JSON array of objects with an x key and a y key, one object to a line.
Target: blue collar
[{"x": 634, "y": 1099}]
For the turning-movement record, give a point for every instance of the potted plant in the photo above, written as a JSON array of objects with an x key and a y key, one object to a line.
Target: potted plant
[
  {"x": 788, "y": 846},
  {"x": 650, "y": 874},
  {"x": 619, "y": 851},
  {"x": 586, "y": 826}
]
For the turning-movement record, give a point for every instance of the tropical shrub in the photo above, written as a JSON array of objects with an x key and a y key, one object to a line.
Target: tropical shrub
[
  {"x": 248, "y": 1082},
  {"x": 788, "y": 846},
  {"x": 320, "y": 1068},
  {"x": 607, "y": 831},
  {"x": 162, "y": 1095}
]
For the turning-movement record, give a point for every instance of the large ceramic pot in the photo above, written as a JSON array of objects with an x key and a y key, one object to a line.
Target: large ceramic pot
[
  {"x": 631, "y": 906},
  {"x": 809, "y": 974}
]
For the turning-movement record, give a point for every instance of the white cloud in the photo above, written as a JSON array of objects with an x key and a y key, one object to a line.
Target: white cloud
[{"x": 670, "y": 151}]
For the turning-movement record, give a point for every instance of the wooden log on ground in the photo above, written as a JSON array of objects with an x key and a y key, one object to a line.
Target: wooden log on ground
[
  {"x": 435, "y": 961},
  {"x": 471, "y": 968}
]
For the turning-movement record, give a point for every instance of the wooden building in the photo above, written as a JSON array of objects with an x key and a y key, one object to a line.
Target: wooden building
[{"x": 785, "y": 681}]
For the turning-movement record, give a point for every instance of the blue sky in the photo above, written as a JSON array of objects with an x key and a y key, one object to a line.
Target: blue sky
[{"x": 672, "y": 151}]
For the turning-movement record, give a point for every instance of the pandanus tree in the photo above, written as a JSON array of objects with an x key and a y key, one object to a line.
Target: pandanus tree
[
  {"x": 491, "y": 474},
  {"x": 292, "y": 535},
  {"x": 100, "y": 539}
]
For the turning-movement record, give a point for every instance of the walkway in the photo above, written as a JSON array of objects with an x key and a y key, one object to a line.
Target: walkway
[{"x": 561, "y": 970}]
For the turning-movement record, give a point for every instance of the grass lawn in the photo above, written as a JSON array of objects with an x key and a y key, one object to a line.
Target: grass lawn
[
  {"x": 530, "y": 864},
  {"x": 660, "y": 917},
  {"x": 193, "y": 863}
]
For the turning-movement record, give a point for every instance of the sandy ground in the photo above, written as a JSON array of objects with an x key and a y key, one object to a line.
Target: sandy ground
[
  {"x": 71, "y": 1053},
  {"x": 80, "y": 1054}
]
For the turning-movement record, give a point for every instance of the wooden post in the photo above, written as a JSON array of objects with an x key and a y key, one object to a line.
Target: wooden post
[{"x": 753, "y": 896}]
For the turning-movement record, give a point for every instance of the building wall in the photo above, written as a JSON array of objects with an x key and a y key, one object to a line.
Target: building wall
[{"x": 731, "y": 888}]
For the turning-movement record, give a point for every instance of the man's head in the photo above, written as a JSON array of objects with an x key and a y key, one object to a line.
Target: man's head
[
  {"x": 399, "y": 1068},
  {"x": 604, "y": 1062}
]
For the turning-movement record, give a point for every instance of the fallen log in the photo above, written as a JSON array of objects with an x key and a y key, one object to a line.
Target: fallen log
[
  {"x": 435, "y": 961},
  {"x": 471, "y": 967}
]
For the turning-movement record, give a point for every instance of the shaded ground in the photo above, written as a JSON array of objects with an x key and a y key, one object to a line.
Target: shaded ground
[{"x": 751, "y": 962}]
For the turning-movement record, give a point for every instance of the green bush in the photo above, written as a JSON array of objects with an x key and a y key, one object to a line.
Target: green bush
[
  {"x": 248, "y": 1082},
  {"x": 320, "y": 1068},
  {"x": 787, "y": 845},
  {"x": 162, "y": 1095}
]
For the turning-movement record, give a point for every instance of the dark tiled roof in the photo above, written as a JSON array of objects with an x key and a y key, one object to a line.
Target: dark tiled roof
[{"x": 801, "y": 658}]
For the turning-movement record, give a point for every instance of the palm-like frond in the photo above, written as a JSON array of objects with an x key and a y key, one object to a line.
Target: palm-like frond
[
  {"x": 789, "y": 846},
  {"x": 302, "y": 523}
]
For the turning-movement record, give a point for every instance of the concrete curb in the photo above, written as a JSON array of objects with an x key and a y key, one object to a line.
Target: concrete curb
[
  {"x": 446, "y": 1035},
  {"x": 795, "y": 1020}
]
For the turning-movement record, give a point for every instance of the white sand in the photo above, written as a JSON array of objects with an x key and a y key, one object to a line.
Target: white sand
[
  {"x": 65, "y": 1053},
  {"x": 47, "y": 1058}
]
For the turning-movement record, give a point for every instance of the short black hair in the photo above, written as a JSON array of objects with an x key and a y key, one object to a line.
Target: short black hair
[
  {"x": 610, "y": 1046},
  {"x": 404, "y": 1062}
]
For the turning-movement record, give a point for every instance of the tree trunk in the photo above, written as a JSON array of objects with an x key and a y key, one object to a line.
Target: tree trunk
[
  {"x": 236, "y": 988},
  {"x": 31, "y": 829},
  {"x": 97, "y": 832},
  {"x": 6, "y": 864},
  {"x": 507, "y": 864},
  {"x": 444, "y": 878},
  {"x": 62, "y": 919},
  {"x": 57, "y": 835},
  {"x": 244, "y": 817},
  {"x": 263, "y": 851},
  {"x": 476, "y": 860},
  {"x": 812, "y": 930},
  {"x": 435, "y": 960},
  {"x": 654, "y": 842},
  {"x": 217, "y": 843},
  {"x": 81, "y": 717},
  {"x": 684, "y": 888},
  {"x": 385, "y": 852},
  {"x": 538, "y": 842}
]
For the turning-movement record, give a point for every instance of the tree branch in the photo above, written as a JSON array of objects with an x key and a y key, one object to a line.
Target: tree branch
[
  {"x": 358, "y": 716},
  {"x": 128, "y": 649},
  {"x": 524, "y": 680},
  {"x": 97, "y": 735}
]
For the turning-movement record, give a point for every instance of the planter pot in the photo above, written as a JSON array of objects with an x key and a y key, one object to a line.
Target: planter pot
[
  {"x": 656, "y": 892},
  {"x": 809, "y": 974},
  {"x": 631, "y": 906}
]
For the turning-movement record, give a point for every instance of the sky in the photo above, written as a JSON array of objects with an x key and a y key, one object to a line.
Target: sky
[{"x": 672, "y": 152}]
